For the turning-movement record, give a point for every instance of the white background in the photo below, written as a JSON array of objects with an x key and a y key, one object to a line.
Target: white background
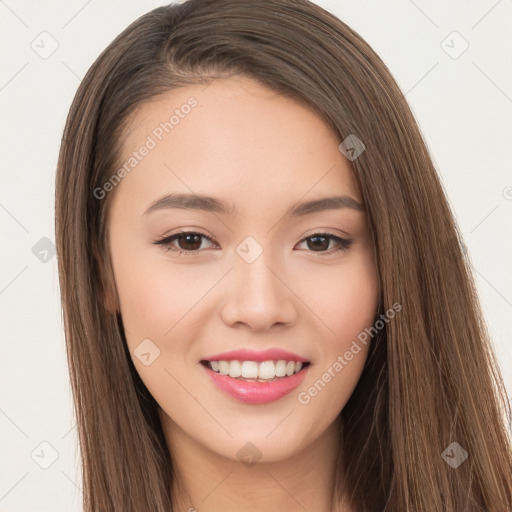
[{"x": 463, "y": 106}]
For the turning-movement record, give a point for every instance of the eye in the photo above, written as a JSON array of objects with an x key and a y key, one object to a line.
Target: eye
[
  {"x": 320, "y": 242},
  {"x": 190, "y": 242}
]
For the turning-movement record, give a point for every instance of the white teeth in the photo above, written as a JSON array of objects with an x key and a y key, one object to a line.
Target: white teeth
[
  {"x": 223, "y": 367},
  {"x": 266, "y": 370},
  {"x": 249, "y": 369},
  {"x": 280, "y": 368},
  {"x": 235, "y": 369}
]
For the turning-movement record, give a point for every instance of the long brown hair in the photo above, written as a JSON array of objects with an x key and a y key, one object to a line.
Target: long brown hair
[{"x": 431, "y": 377}]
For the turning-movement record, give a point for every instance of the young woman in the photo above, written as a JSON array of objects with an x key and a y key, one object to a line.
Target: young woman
[{"x": 266, "y": 301}]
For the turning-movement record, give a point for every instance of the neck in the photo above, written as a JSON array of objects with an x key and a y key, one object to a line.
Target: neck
[{"x": 208, "y": 482}]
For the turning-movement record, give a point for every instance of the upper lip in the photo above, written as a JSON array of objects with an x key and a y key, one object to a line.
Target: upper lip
[{"x": 271, "y": 354}]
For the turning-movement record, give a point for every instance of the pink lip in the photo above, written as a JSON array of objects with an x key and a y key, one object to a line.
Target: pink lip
[
  {"x": 256, "y": 392},
  {"x": 271, "y": 354}
]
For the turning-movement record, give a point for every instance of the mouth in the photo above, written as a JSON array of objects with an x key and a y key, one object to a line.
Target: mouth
[
  {"x": 254, "y": 371},
  {"x": 256, "y": 378}
]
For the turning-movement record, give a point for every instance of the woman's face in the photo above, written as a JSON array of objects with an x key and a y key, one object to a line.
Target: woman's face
[{"x": 268, "y": 281}]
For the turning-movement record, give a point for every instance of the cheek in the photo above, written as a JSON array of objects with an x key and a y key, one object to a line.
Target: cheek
[
  {"x": 154, "y": 294},
  {"x": 344, "y": 298},
  {"x": 145, "y": 301},
  {"x": 157, "y": 303},
  {"x": 354, "y": 304},
  {"x": 347, "y": 299}
]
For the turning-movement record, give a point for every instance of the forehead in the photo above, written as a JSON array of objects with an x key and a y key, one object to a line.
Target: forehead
[{"x": 233, "y": 138}]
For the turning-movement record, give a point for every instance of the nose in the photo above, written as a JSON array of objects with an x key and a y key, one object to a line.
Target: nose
[{"x": 259, "y": 296}]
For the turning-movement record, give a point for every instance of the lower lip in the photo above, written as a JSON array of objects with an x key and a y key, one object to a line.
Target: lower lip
[{"x": 256, "y": 392}]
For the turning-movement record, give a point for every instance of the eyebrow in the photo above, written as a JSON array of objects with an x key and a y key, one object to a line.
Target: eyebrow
[{"x": 211, "y": 204}]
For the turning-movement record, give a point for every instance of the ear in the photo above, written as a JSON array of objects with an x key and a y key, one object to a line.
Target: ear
[{"x": 107, "y": 284}]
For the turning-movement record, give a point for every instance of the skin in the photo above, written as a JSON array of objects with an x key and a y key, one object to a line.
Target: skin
[{"x": 263, "y": 152}]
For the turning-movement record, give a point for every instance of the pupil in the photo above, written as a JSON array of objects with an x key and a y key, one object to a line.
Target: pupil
[
  {"x": 323, "y": 245},
  {"x": 195, "y": 244}
]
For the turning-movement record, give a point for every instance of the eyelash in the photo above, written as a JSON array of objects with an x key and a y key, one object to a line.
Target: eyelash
[{"x": 343, "y": 243}]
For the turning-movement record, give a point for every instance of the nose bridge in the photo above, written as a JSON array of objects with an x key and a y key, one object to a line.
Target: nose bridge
[
  {"x": 258, "y": 297},
  {"x": 256, "y": 277},
  {"x": 255, "y": 281}
]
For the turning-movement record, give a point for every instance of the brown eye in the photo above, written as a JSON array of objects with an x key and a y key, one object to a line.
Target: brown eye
[
  {"x": 319, "y": 242},
  {"x": 189, "y": 242},
  {"x": 186, "y": 242}
]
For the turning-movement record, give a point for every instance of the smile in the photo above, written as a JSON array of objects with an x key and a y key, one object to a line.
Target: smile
[
  {"x": 254, "y": 371},
  {"x": 256, "y": 377}
]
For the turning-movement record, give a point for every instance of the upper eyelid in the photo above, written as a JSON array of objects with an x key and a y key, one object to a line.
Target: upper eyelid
[
  {"x": 167, "y": 240},
  {"x": 212, "y": 239},
  {"x": 320, "y": 231}
]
